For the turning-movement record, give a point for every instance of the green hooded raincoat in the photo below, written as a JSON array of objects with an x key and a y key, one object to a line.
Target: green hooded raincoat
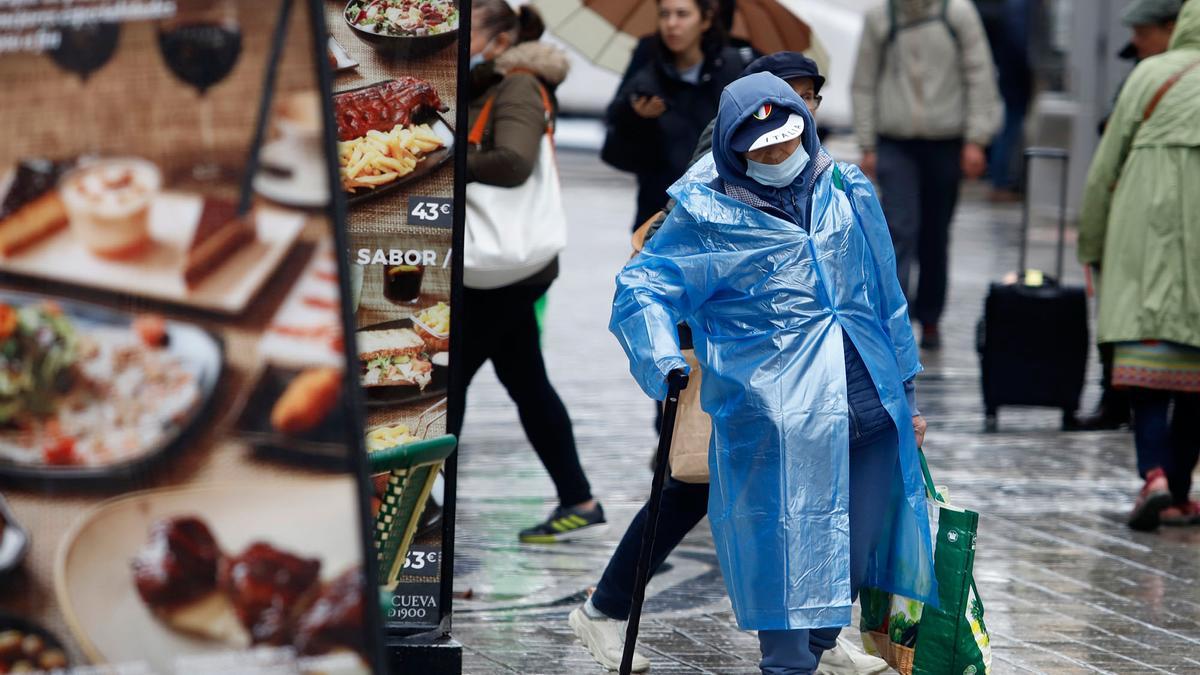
[{"x": 1141, "y": 208}]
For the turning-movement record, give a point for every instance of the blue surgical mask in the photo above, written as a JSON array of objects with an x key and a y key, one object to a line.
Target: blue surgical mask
[
  {"x": 779, "y": 175},
  {"x": 479, "y": 58}
]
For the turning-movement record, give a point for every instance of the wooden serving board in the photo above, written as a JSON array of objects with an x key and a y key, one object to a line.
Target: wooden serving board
[{"x": 157, "y": 274}]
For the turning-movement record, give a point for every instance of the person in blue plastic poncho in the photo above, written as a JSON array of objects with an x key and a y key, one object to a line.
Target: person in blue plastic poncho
[{"x": 782, "y": 265}]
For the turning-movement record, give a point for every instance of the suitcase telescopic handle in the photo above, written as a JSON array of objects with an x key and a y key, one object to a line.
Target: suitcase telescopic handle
[{"x": 1062, "y": 156}]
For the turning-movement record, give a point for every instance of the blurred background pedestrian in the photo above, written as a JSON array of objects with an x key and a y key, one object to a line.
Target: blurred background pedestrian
[
  {"x": 668, "y": 94},
  {"x": 1141, "y": 236},
  {"x": 1152, "y": 23},
  {"x": 511, "y": 71},
  {"x": 1008, "y": 26},
  {"x": 925, "y": 107}
]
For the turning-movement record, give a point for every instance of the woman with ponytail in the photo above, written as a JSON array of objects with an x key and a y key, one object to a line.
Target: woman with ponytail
[{"x": 513, "y": 78}]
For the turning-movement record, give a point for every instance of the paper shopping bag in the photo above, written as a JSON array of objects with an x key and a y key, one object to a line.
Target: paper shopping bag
[{"x": 693, "y": 427}]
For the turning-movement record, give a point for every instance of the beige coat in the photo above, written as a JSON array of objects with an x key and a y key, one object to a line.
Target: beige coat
[{"x": 925, "y": 83}]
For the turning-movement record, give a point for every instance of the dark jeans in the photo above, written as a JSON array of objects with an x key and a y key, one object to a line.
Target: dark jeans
[
  {"x": 683, "y": 505},
  {"x": 1167, "y": 439},
  {"x": 919, "y": 182},
  {"x": 499, "y": 325},
  {"x": 1004, "y": 163}
]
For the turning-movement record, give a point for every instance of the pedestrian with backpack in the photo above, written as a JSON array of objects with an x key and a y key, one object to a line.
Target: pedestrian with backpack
[{"x": 925, "y": 107}]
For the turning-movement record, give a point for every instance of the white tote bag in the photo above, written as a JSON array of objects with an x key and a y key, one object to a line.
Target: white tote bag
[{"x": 512, "y": 233}]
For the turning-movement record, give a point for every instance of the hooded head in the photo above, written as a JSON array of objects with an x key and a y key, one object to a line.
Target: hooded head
[
  {"x": 1187, "y": 27},
  {"x": 743, "y": 103}
]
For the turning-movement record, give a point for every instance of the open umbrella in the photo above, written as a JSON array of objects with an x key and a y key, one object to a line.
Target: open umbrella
[{"x": 606, "y": 31}]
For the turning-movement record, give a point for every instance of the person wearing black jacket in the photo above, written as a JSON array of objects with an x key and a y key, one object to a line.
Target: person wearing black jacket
[{"x": 668, "y": 94}]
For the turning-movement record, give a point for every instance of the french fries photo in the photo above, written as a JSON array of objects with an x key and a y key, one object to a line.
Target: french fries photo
[{"x": 379, "y": 158}]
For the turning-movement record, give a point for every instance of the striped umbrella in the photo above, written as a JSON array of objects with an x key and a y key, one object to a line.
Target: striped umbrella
[{"x": 606, "y": 31}]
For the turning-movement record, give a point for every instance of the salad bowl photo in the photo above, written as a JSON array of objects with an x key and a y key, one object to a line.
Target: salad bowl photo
[{"x": 404, "y": 28}]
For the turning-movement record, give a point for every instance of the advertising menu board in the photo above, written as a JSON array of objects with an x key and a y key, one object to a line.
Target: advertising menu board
[
  {"x": 396, "y": 101},
  {"x": 183, "y": 487}
]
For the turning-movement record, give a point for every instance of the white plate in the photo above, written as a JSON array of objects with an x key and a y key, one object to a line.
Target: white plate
[
  {"x": 93, "y": 581},
  {"x": 158, "y": 274},
  {"x": 319, "y": 283},
  {"x": 307, "y": 186},
  {"x": 344, "y": 62}
]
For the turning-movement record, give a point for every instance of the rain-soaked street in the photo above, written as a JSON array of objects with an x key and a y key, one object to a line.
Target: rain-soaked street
[{"x": 1067, "y": 587}]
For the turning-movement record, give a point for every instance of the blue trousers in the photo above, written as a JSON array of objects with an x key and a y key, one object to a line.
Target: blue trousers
[
  {"x": 1005, "y": 157},
  {"x": 873, "y": 466},
  {"x": 1166, "y": 438}
]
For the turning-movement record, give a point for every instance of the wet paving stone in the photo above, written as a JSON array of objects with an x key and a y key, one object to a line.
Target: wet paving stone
[{"x": 1067, "y": 587}]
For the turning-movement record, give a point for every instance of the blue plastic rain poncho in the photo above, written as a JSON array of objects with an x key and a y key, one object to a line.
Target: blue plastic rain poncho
[{"x": 767, "y": 300}]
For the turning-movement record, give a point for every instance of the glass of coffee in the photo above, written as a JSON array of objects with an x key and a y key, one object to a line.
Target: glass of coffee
[{"x": 402, "y": 283}]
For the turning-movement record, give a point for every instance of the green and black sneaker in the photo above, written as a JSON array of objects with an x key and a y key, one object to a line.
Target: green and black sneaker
[{"x": 566, "y": 524}]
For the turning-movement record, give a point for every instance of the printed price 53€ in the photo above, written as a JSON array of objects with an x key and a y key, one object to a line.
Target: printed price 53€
[{"x": 419, "y": 560}]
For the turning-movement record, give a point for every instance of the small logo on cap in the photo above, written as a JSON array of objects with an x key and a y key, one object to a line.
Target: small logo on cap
[{"x": 764, "y": 112}]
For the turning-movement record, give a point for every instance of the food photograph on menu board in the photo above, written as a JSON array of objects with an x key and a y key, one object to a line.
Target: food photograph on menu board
[
  {"x": 182, "y": 487},
  {"x": 395, "y": 102}
]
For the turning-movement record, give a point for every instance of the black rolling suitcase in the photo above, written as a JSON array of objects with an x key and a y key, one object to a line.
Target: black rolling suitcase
[{"x": 1033, "y": 339}]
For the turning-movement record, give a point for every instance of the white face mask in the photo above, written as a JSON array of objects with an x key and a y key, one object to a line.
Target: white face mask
[{"x": 779, "y": 175}]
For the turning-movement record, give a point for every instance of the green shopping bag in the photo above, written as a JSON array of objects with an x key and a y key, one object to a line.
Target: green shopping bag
[{"x": 919, "y": 640}]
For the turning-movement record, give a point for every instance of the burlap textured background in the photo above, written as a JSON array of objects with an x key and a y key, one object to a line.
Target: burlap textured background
[{"x": 134, "y": 105}]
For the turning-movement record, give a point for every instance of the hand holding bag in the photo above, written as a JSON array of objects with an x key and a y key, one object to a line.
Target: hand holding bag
[
  {"x": 512, "y": 233},
  {"x": 693, "y": 428},
  {"x": 917, "y": 639}
]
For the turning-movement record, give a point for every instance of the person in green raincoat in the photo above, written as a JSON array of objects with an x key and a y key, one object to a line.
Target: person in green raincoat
[{"x": 1140, "y": 232}]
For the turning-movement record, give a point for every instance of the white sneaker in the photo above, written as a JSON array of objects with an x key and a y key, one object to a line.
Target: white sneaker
[
  {"x": 848, "y": 659},
  {"x": 605, "y": 639}
]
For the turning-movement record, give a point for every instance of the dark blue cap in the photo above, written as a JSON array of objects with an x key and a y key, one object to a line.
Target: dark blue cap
[
  {"x": 787, "y": 66},
  {"x": 770, "y": 124}
]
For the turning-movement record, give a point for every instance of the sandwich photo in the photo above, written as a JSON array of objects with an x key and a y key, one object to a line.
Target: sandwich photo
[{"x": 393, "y": 358}]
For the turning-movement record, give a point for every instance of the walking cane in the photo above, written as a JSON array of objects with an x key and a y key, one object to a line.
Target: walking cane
[{"x": 677, "y": 381}]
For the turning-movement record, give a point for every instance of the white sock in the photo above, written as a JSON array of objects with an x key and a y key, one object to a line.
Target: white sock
[{"x": 592, "y": 613}]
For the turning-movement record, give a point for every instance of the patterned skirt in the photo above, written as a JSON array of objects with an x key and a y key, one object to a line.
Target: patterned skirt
[{"x": 1155, "y": 364}]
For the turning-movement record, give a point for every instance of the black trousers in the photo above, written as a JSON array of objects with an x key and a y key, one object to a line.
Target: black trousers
[
  {"x": 919, "y": 182},
  {"x": 683, "y": 506},
  {"x": 500, "y": 326}
]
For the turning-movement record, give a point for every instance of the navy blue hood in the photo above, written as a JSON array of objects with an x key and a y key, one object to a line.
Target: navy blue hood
[{"x": 738, "y": 102}]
